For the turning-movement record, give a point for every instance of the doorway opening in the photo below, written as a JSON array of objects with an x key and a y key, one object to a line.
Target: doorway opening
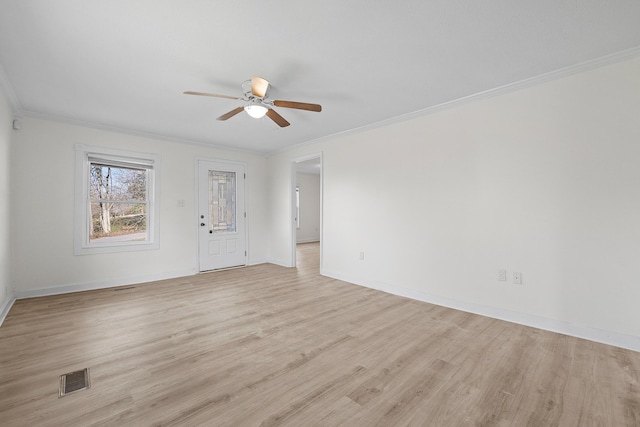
[{"x": 306, "y": 208}]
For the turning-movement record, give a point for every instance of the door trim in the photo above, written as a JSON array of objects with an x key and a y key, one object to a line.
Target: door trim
[{"x": 196, "y": 227}]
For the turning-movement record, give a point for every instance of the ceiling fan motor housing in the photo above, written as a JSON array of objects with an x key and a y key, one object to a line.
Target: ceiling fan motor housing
[{"x": 249, "y": 90}]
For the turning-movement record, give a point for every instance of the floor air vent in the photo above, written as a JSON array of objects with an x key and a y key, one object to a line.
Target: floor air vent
[{"x": 74, "y": 381}]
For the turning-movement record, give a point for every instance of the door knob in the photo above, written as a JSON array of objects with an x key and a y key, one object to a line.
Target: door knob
[{"x": 202, "y": 224}]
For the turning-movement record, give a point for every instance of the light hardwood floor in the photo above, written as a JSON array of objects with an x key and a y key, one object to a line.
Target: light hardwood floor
[{"x": 266, "y": 345}]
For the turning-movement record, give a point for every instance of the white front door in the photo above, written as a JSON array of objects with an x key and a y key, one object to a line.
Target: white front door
[{"x": 221, "y": 215}]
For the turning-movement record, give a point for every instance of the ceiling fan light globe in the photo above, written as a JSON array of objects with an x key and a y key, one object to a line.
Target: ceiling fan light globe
[{"x": 256, "y": 111}]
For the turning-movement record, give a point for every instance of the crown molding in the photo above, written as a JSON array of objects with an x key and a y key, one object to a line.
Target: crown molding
[
  {"x": 500, "y": 90},
  {"x": 18, "y": 111},
  {"x": 109, "y": 128},
  {"x": 7, "y": 89}
]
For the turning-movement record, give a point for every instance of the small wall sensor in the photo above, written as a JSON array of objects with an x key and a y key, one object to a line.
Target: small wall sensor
[{"x": 17, "y": 125}]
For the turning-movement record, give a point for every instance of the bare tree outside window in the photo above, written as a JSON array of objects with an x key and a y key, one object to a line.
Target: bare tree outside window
[{"x": 119, "y": 203}]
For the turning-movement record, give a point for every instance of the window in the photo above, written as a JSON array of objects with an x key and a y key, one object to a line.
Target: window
[
  {"x": 297, "y": 207},
  {"x": 116, "y": 200}
]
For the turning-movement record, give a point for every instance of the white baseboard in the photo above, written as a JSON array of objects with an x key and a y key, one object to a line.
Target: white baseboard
[
  {"x": 78, "y": 287},
  {"x": 6, "y": 307},
  {"x": 562, "y": 327},
  {"x": 281, "y": 263},
  {"x": 567, "y": 328},
  {"x": 311, "y": 240}
]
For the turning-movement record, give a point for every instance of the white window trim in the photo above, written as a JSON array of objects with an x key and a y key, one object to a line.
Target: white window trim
[{"x": 81, "y": 244}]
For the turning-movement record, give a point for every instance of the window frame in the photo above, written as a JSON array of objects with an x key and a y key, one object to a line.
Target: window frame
[{"x": 85, "y": 155}]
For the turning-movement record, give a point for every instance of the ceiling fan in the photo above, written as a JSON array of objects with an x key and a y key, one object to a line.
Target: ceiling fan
[{"x": 256, "y": 103}]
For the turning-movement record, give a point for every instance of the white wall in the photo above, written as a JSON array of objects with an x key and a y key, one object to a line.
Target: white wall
[
  {"x": 43, "y": 191},
  {"x": 544, "y": 181},
  {"x": 6, "y": 119},
  {"x": 309, "y": 185}
]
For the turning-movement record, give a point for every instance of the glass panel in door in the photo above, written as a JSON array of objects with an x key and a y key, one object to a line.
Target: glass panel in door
[{"x": 222, "y": 201}]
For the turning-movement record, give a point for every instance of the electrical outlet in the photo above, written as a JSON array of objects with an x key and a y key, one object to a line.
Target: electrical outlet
[
  {"x": 180, "y": 203},
  {"x": 361, "y": 256},
  {"x": 517, "y": 278},
  {"x": 502, "y": 275}
]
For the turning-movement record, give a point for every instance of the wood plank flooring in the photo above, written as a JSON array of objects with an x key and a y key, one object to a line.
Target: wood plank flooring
[{"x": 266, "y": 345}]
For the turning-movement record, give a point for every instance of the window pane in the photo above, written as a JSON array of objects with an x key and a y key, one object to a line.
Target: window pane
[
  {"x": 118, "y": 222},
  {"x": 117, "y": 183},
  {"x": 297, "y": 207},
  {"x": 222, "y": 201}
]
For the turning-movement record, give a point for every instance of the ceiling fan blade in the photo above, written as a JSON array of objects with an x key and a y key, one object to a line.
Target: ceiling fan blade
[
  {"x": 259, "y": 86},
  {"x": 230, "y": 113},
  {"x": 215, "y": 95},
  {"x": 280, "y": 121},
  {"x": 298, "y": 105}
]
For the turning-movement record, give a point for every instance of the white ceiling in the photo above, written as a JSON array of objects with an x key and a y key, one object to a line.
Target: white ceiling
[{"x": 125, "y": 63}]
